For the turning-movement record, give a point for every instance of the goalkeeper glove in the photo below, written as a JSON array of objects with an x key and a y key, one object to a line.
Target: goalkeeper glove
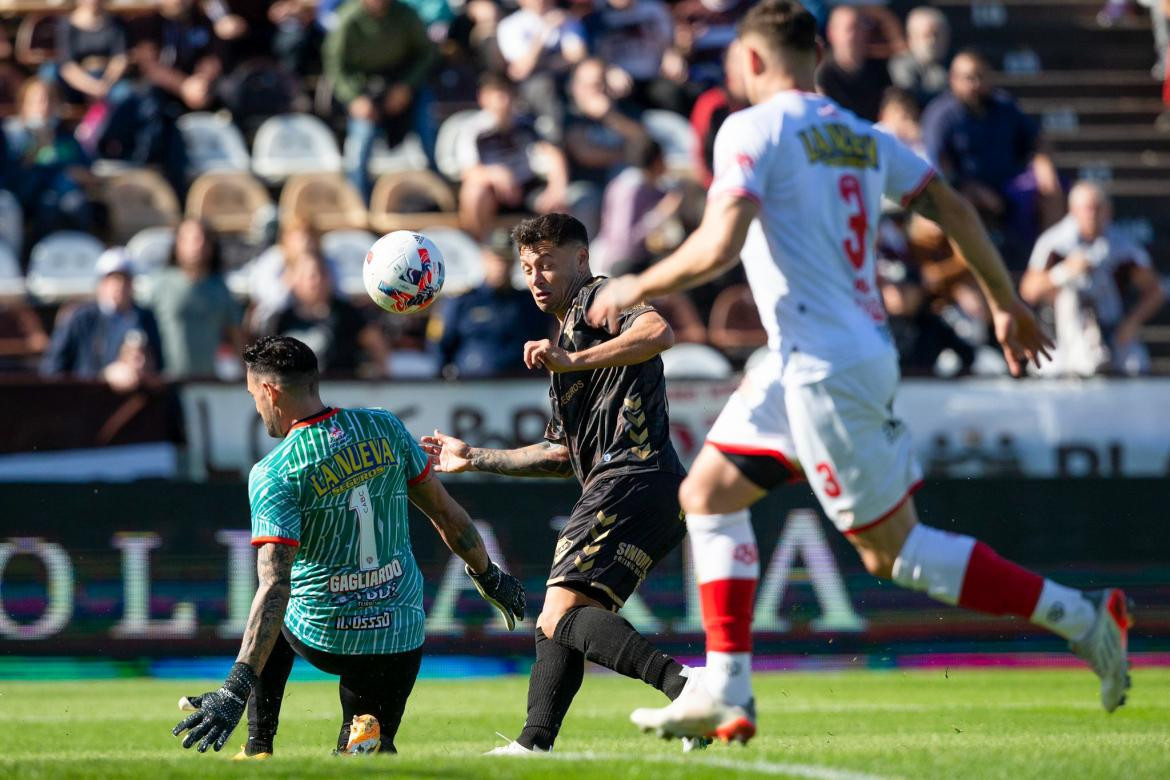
[
  {"x": 501, "y": 590},
  {"x": 218, "y": 712}
]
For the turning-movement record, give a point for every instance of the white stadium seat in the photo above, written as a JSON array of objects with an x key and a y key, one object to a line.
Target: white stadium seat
[
  {"x": 11, "y": 221},
  {"x": 347, "y": 250},
  {"x": 62, "y": 265},
  {"x": 11, "y": 280},
  {"x": 294, "y": 143},
  {"x": 462, "y": 263},
  {"x": 450, "y": 140},
  {"x": 695, "y": 361},
  {"x": 150, "y": 248},
  {"x": 407, "y": 156},
  {"x": 213, "y": 143},
  {"x": 674, "y": 134}
]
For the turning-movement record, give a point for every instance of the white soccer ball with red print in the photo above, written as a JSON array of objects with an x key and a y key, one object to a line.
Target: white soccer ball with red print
[{"x": 403, "y": 272}]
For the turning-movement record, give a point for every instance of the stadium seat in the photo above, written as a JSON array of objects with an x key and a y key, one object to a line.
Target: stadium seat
[
  {"x": 734, "y": 323},
  {"x": 347, "y": 249},
  {"x": 463, "y": 267},
  {"x": 11, "y": 280},
  {"x": 407, "y": 156},
  {"x": 412, "y": 201},
  {"x": 138, "y": 199},
  {"x": 294, "y": 143},
  {"x": 62, "y": 265},
  {"x": 213, "y": 143},
  {"x": 695, "y": 361},
  {"x": 150, "y": 249},
  {"x": 36, "y": 40},
  {"x": 11, "y": 222},
  {"x": 325, "y": 200},
  {"x": 228, "y": 201},
  {"x": 450, "y": 140},
  {"x": 674, "y": 134}
]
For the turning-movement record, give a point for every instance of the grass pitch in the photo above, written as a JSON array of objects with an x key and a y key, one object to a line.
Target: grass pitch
[{"x": 834, "y": 726}]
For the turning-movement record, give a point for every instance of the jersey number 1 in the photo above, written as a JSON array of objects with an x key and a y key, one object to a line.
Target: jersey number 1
[
  {"x": 850, "y": 189},
  {"x": 360, "y": 503}
]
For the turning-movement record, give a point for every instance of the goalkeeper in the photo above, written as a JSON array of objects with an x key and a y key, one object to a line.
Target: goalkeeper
[{"x": 339, "y": 585}]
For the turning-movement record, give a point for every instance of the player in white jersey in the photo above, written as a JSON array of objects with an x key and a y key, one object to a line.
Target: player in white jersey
[{"x": 797, "y": 190}]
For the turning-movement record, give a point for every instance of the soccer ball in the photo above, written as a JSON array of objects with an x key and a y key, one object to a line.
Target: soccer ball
[{"x": 403, "y": 272}]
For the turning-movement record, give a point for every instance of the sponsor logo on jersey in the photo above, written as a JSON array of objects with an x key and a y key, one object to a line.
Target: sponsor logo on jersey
[
  {"x": 572, "y": 391},
  {"x": 351, "y": 466},
  {"x": 836, "y": 145},
  {"x": 361, "y": 580},
  {"x": 337, "y": 436},
  {"x": 635, "y": 558},
  {"x": 364, "y": 622}
]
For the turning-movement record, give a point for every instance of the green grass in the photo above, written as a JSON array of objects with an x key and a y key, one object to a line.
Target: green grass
[{"x": 969, "y": 724}]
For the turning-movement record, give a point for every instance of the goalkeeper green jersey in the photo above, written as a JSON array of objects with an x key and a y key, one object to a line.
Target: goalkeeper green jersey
[{"x": 335, "y": 488}]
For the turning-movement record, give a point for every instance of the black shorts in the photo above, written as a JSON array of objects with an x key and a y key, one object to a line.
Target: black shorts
[{"x": 619, "y": 530}]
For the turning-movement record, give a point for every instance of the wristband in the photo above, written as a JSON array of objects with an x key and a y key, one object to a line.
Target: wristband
[{"x": 240, "y": 680}]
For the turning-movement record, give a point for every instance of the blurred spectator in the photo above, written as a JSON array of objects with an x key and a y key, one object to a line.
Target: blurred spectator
[
  {"x": 992, "y": 152},
  {"x": 901, "y": 115},
  {"x": 89, "y": 337},
  {"x": 636, "y": 205},
  {"x": 181, "y": 60},
  {"x": 712, "y": 107},
  {"x": 22, "y": 337},
  {"x": 1115, "y": 11},
  {"x": 703, "y": 30},
  {"x": 849, "y": 76},
  {"x": 920, "y": 335},
  {"x": 378, "y": 58},
  {"x": 483, "y": 331},
  {"x": 196, "y": 313},
  {"x": 268, "y": 273},
  {"x": 540, "y": 42},
  {"x": 495, "y": 160},
  {"x": 471, "y": 37},
  {"x": 297, "y": 38},
  {"x": 134, "y": 365},
  {"x": 598, "y": 129},
  {"x": 633, "y": 37},
  {"x": 1083, "y": 266},
  {"x": 91, "y": 52},
  {"x": 46, "y": 162},
  {"x": 922, "y": 69},
  {"x": 331, "y": 326}
]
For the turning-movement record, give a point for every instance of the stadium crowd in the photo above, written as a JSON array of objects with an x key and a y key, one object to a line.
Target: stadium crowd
[{"x": 463, "y": 118}]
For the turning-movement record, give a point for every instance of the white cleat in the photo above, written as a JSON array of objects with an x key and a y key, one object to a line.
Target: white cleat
[
  {"x": 1105, "y": 647},
  {"x": 696, "y": 713},
  {"x": 691, "y": 744},
  {"x": 514, "y": 748}
]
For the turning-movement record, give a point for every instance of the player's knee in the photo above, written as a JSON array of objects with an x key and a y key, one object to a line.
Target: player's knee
[
  {"x": 693, "y": 497},
  {"x": 548, "y": 619}
]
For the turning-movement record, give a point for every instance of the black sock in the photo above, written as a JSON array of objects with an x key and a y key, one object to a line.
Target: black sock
[
  {"x": 608, "y": 639},
  {"x": 555, "y": 679}
]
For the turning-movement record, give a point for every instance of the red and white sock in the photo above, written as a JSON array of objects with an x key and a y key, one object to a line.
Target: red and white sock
[
  {"x": 727, "y": 566},
  {"x": 957, "y": 569}
]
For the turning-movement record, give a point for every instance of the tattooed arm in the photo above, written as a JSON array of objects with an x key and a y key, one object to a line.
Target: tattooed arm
[
  {"x": 274, "y": 567},
  {"x": 451, "y": 521},
  {"x": 452, "y": 455}
]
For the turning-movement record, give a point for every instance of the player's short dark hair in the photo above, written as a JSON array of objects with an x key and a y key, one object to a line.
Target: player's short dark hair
[
  {"x": 895, "y": 96},
  {"x": 555, "y": 229},
  {"x": 287, "y": 360},
  {"x": 785, "y": 24},
  {"x": 643, "y": 153}
]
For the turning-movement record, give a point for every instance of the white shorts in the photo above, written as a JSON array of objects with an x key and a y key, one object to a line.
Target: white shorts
[{"x": 858, "y": 457}]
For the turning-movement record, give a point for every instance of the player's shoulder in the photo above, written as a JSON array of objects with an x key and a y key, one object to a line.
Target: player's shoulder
[{"x": 588, "y": 291}]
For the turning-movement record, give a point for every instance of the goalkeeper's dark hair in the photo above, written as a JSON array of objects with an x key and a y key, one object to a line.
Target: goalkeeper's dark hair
[
  {"x": 785, "y": 24},
  {"x": 289, "y": 361},
  {"x": 550, "y": 229}
]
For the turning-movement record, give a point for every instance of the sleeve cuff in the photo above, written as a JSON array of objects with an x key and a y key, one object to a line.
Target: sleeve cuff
[
  {"x": 421, "y": 475},
  {"x": 922, "y": 185},
  {"x": 258, "y": 541},
  {"x": 737, "y": 192}
]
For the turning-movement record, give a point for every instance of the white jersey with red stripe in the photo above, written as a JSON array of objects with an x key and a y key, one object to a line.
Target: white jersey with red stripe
[{"x": 818, "y": 174}]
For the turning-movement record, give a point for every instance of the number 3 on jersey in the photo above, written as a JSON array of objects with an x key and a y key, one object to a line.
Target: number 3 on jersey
[
  {"x": 850, "y": 188},
  {"x": 829, "y": 482},
  {"x": 359, "y": 502}
]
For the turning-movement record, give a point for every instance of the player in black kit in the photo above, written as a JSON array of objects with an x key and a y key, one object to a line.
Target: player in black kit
[{"x": 610, "y": 430}]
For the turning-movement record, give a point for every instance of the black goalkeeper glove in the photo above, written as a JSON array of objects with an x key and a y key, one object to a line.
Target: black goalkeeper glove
[
  {"x": 217, "y": 712},
  {"x": 501, "y": 590}
]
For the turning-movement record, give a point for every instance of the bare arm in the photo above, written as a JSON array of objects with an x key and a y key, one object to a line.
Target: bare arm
[
  {"x": 451, "y": 521},
  {"x": 711, "y": 249},
  {"x": 647, "y": 337},
  {"x": 1152, "y": 296},
  {"x": 452, "y": 456},
  {"x": 274, "y": 567},
  {"x": 1015, "y": 325}
]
